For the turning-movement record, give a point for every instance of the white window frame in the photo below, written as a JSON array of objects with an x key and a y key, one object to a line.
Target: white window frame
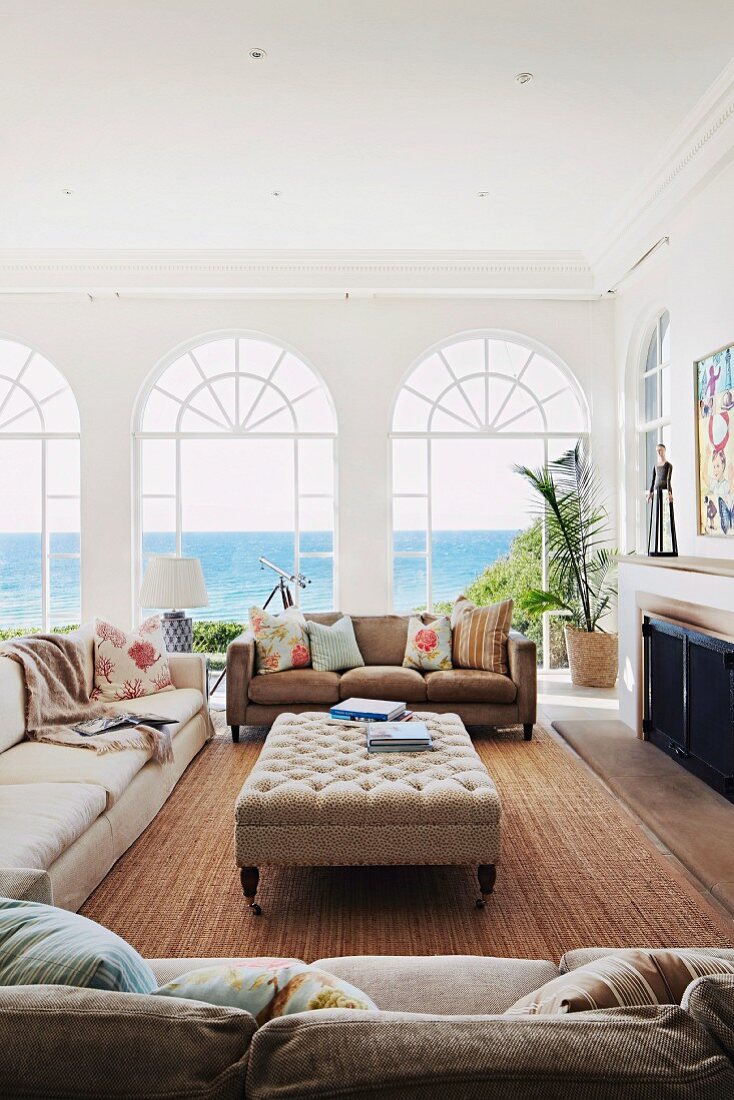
[
  {"x": 236, "y": 431},
  {"x": 659, "y": 424},
  {"x": 490, "y": 431},
  {"x": 43, "y": 437}
]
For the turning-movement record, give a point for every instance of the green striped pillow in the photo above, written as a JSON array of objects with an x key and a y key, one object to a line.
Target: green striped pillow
[
  {"x": 334, "y": 648},
  {"x": 42, "y": 945}
]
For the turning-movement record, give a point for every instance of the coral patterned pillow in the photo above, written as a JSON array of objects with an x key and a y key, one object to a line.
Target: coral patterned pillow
[
  {"x": 129, "y": 666},
  {"x": 281, "y": 641},
  {"x": 429, "y": 645}
]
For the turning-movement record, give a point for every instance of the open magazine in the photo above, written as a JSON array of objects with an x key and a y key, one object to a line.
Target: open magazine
[{"x": 95, "y": 726}]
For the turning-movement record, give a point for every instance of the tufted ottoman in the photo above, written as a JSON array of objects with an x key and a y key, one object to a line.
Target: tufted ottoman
[{"x": 316, "y": 797}]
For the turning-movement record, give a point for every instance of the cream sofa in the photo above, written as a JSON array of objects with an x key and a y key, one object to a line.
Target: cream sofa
[
  {"x": 73, "y": 813},
  {"x": 479, "y": 698},
  {"x": 439, "y": 1033}
]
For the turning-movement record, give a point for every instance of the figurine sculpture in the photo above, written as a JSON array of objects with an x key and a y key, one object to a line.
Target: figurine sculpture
[{"x": 666, "y": 543}]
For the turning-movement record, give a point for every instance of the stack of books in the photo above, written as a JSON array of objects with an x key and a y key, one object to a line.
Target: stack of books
[
  {"x": 398, "y": 737},
  {"x": 362, "y": 711}
]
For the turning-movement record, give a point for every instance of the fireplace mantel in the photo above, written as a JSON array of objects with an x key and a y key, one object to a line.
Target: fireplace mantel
[{"x": 696, "y": 592}]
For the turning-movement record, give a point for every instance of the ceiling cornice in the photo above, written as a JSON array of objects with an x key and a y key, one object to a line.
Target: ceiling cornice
[{"x": 694, "y": 153}]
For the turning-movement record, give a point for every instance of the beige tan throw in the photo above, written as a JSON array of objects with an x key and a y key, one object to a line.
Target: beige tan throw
[
  {"x": 57, "y": 697},
  {"x": 480, "y": 635}
]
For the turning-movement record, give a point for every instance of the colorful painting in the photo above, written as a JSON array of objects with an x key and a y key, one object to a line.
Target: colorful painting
[{"x": 714, "y": 423}]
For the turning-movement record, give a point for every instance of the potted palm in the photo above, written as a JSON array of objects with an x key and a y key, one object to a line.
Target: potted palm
[{"x": 581, "y": 567}]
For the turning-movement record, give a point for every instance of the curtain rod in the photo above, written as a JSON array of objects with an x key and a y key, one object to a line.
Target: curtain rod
[{"x": 645, "y": 256}]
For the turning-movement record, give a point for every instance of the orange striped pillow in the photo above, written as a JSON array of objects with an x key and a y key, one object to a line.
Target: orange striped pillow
[{"x": 480, "y": 635}]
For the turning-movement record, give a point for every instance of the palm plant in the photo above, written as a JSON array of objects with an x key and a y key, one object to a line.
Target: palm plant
[{"x": 581, "y": 568}]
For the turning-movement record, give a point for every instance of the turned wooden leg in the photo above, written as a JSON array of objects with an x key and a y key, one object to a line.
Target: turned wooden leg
[
  {"x": 235, "y": 733},
  {"x": 527, "y": 730},
  {"x": 249, "y": 877},
  {"x": 487, "y": 875}
]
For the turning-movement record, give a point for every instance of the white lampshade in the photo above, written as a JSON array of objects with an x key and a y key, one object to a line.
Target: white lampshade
[{"x": 172, "y": 582}]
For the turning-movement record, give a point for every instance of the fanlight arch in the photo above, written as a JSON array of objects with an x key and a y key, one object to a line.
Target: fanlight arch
[
  {"x": 40, "y": 504},
  {"x": 259, "y": 395},
  {"x": 467, "y": 411}
]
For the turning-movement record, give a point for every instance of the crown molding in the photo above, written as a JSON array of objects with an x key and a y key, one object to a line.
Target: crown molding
[
  {"x": 231, "y": 272},
  {"x": 697, "y": 149}
]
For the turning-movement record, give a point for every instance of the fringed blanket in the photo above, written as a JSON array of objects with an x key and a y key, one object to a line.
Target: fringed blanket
[{"x": 57, "y": 699}]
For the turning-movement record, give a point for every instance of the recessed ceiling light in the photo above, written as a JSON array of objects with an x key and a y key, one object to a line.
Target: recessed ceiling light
[
  {"x": 523, "y": 78},
  {"x": 67, "y": 191},
  {"x": 257, "y": 54},
  {"x": 482, "y": 194},
  {"x": 276, "y": 194}
]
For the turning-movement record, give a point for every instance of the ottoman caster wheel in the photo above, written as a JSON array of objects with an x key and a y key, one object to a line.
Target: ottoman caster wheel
[
  {"x": 480, "y": 903},
  {"x": 256, "y": 910}
]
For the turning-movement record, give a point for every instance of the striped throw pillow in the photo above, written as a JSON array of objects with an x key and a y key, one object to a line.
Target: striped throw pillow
[
  {"x": 480, "y": 635},
  {"x": 625, "y": 979},
  {"x": 334, "y": 648},
  {"x": 42, "y": 945}
]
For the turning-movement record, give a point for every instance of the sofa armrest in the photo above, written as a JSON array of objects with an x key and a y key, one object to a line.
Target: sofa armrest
[
  {"x": 189, "y": 670},
  {"x": 240, "y": 670},
  {"x": 26, "y": 884},
  {"x": 522, "y": 660}
]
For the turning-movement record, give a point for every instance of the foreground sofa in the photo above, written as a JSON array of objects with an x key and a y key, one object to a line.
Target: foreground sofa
[
  {"x": 479, "y": 698},
  {"x": 71, "y": 812},
  {"x": 439, "y": 1033}
]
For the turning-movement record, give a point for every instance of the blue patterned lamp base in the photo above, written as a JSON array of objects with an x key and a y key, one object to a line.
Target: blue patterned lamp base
[{"x": 178, "y": 632}]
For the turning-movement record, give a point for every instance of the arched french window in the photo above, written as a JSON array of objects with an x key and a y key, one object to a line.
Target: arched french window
[
  {"x": 468, "y": 411},
  {"x": 235, "y": 440},
  {"x": 39, "y": 492},
  {"x": 653, "y": 411}
]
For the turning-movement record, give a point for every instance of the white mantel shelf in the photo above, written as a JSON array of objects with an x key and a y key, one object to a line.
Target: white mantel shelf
[{"x": 718, "y": 567}]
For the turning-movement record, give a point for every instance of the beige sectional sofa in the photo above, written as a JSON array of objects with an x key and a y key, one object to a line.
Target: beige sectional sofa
[
  {"x": 479, "y": 698},
  {"x": 439, "y": 1033},
  {"x": 72, "y": 812}
]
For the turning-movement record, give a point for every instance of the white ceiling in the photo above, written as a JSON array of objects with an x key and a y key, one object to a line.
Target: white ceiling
[{"x": 378, "y": 121}]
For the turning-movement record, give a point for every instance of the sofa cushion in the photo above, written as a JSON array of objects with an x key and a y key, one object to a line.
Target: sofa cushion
[
  {"x": 383, "y": 682},
  {"x": 381, "y": 638},
  {"x": 181, "y": 704},
  {"x": 37, "y": 762},
  {"x": 12, "y": 703},
  {"x": 710, "y": 1001},
  {"x": 130, "y": 665},
  {"x": 428, "y": 648},
  {"x": 298, "y": 685},
  {"x": 43, "y": 945},
  {"x": 281, "y": 641},
  {"x": 627, "y": 978},
  {"x": 467, "y": 985},
  {"x": 572, "y": 960},
  {"x": 466, "y": 685},
  {"x": 632, "y": 1053},
  {"x": 39, "y": 821},
  {"x": 93, "y": 1045},
  {"x": 480, "y": 635},
  {"x": 334, "y": 648}
]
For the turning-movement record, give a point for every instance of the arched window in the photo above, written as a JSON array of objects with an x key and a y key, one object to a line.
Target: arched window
[
  {"x": 236, "y": 454},
  {"x": 466, "y": 414},
  {"x": 39, "y": 492},
  {"x": 653, "y": 410}
]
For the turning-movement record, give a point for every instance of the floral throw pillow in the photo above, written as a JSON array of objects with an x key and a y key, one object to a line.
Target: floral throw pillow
[
  {"x": 429, "y": 645},
  {"x": 267, "y": 988},
  {"x": 281, "y": 641},
  {"x": 129, "y": 665}
]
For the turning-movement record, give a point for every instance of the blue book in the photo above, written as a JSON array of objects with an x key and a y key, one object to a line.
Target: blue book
[{"x": 374, "y": 710}]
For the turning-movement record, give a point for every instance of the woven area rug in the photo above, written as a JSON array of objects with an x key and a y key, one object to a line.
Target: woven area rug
[{"x": 575, "y": 871}]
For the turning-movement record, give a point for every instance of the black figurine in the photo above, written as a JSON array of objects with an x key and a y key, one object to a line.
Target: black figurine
[{"x": 666, "y": 543}]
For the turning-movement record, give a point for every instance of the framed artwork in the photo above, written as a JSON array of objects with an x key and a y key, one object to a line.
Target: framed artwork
[{"x": 715, "y": 443}]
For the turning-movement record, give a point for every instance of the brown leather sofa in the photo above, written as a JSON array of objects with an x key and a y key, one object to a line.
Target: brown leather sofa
[{"x": 479, "y": 698}]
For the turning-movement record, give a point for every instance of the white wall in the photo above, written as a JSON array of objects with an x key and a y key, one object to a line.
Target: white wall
[
  {"x": 362, "y": 348},
  {"x": 693, "y": 277}
]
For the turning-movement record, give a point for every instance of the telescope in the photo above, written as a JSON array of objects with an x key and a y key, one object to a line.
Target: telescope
[{"x": 282, "y": 584}]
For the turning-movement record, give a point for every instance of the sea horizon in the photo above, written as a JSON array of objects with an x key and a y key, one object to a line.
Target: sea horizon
[{"x": 235, "y": 581}]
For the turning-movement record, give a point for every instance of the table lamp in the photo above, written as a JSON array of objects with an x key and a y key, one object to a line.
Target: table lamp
[{"x": 171, "y": 582}]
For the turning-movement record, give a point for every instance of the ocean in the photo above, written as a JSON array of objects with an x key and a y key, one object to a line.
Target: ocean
[{"x": 233, "y": 576}]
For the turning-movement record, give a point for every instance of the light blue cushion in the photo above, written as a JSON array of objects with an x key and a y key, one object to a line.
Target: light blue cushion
[
  {"x": 334, "y": 648},
  {"x": 42, "y": 945}
]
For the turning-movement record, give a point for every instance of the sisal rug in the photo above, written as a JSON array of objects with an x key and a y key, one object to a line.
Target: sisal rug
[{"x": 576, "y": 871}]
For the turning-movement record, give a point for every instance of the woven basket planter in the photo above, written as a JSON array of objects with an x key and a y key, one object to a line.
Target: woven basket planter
[{"x": 592, "y": 658}]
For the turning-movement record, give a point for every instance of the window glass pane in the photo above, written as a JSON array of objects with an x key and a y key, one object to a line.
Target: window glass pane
[
  {"x": 664, "y": 377},
  {"x": 665, "y": 338},
  {"x": 409, "y": 584},
  {"x": 20, "y": 579},
  {"x": 161, "y": 412},
  {"x": 316, "y": 522},
  {"x": 60, "y": 413},
  {"x": 432, "y": 376},
  {"x": 62, "y": 517},
  {"x": 258, "y": 357},
  {"x": 651, "y": 397},
  {"x": 410, "y": 466},
  {"x": 465, "y": 357},
  {"x": 410, "y": 520},
  {"x": 316, "y": 466},
  {"x": 158, "y": 466},
  {"x": 411, "y": 413},
  {"x": 64, "y": 592},
  {"x": 214, "y": 357},
  {"x": 651, "y": 360},
  {"x": 319, "y": 594},
  {"x": 19, "y": 413},
  {"x": 159, "y": 526},
  {"x": 62, "y": 466},
  {"x": 13, "y": 357}
]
